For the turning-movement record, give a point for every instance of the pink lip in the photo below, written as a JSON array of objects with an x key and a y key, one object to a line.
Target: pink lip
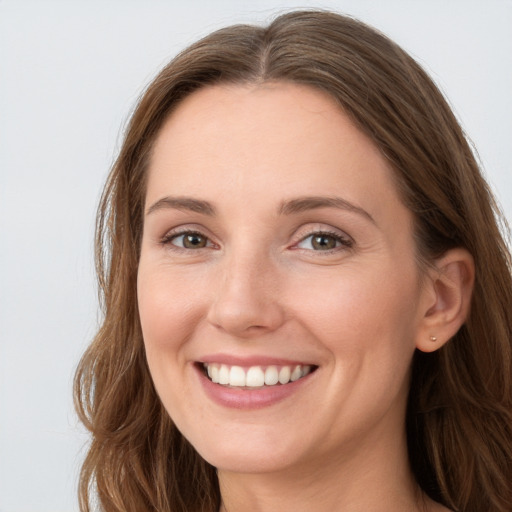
[
  {"x": 231, "y": 360},
  {"x": 234, "y": 398}
]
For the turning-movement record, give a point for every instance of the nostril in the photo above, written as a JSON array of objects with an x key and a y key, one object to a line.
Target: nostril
[{"x": 252, "y": 320}]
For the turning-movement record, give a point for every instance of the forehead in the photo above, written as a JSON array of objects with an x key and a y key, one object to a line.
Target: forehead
[
  {"x": 243, "y": 138},
  {"x": 274, "y": 116}
]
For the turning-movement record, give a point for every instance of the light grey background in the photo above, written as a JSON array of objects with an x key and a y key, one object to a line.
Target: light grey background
[{"x": 70, "y": 72}]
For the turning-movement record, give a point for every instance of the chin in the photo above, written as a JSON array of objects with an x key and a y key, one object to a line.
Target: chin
[
  {"x": 246, "y": 453},
  {"x": 251, "y": 461}
]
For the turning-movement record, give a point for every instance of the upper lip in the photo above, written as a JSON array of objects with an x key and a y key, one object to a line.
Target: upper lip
[{"x": 255, "y": 360}]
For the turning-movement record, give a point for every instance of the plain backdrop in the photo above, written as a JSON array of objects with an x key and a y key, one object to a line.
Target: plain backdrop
[{"x": 70, "y": 73}]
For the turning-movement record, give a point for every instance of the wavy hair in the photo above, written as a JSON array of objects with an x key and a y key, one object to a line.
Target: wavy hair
[{"x": 459, "y": 414}]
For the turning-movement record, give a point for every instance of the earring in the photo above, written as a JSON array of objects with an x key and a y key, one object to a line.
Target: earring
[{"x": 433, "y": 338}]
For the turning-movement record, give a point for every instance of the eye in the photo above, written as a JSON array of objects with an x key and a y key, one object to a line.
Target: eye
[
  {"x": 187, "y": 240},
  {"x": 323, "y": 241}
]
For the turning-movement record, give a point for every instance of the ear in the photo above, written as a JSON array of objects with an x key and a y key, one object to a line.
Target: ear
[{"x": 446, "y": 299}]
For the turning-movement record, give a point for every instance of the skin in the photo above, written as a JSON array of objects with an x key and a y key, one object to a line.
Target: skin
[{"x": 260, "y": 287}]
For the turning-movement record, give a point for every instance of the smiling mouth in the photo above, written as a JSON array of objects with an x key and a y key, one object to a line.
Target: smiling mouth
[{"x": 254, "y": 377}]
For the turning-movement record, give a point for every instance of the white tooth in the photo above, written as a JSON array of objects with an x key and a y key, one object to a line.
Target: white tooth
[
  {"x": 284, "y": 375},
  {"x": 306, "y": 370},
  {"x": 255, "y": 377},
  {"x": 213, "y": 372},
  {"x": 296, "y": 374},
  {"x": 271, "y": 376},
  {"x": 224, "y": 374},
  {"x": 237, "y": 376}
]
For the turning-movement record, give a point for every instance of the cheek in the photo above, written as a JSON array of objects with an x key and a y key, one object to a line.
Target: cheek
[
  {"x": 367, "y": 322},
  {"x": 169, "y": 308},
  {"x": 362, "y": 313}
]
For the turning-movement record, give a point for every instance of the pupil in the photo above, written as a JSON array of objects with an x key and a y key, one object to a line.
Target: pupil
[
  {"x": 324, "y": 242},
  {"x": 193, "y": 241}
]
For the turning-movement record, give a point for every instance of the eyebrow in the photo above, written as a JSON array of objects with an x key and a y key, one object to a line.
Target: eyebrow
[
  {"x": 183, "y": 203},
  {"x": 303, "y": 204},
  {"x": 293, "y": 206}
]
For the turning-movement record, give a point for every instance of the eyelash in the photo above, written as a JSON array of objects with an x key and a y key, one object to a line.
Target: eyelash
[
  {"x": 170, "y": 237},
  {"x": 343, "y": 242}
]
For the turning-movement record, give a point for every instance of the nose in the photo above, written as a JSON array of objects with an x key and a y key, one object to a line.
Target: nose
[{"x": 246, "y": 297}]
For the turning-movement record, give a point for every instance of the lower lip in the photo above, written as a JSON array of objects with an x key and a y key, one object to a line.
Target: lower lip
[{"x": 235, "y": 398}]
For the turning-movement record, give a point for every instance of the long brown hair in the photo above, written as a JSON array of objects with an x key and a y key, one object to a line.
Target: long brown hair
[{"x": 459, "y": 417}]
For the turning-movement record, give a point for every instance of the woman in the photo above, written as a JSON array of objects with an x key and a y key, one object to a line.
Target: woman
[{"x": 307, "y": 296}]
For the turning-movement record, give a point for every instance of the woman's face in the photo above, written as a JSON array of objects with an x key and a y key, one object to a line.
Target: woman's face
[{"x": 278, "y": 258}]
